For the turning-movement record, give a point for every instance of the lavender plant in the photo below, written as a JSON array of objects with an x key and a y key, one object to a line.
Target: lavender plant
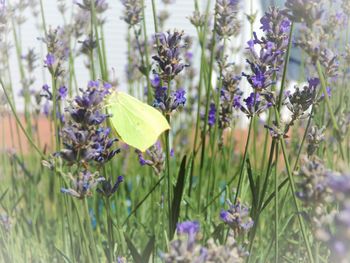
[{"x": 289, "y": 190}]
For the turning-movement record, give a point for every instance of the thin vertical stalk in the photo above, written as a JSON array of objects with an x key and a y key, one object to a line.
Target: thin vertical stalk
[
  {"x": 244, "y": 159},
  {"x": 276, "y": 206},
  {"x": 292, "y": 184},
  {"x": 204, "y": 132},
  {"x": 12, "y": 96},
  {"x": 110, "y": 231},
  {"x": 147, "y": 65},
  {"x": 202, "y": 41},
  {"x": 155, "y": 21},
  {"x": 94, "y": 29},
  {"x": 22, "y": 76},
  {"x": 328, "y": 104},
  {"x": 90, "y": 237}
]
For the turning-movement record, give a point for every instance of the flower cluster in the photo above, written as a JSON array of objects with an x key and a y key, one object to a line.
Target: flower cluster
[
  {"x": 344, "y": 123},
  {"x": 237, "y": 217},
  {"x": 336, "y": 20},
  {"x": 86, "y": 141},
  {"x": 304, "y": 11},
  {"x": 229, "y": 94},
  {"x": 276, "y": 26},
  {"x": 164, "y": 14},
  {"x": 300, "y": 101},
  {"x": 61, "y": 95},
  {"x": 313, "y": 182},
  {"x": 227, "y": 23},
  {"x": 197, "y": 19},
  {"x": 265, "y": 64},
  {"x": 313, "y": 35},
  {"x": 132, "y": 12},
  {"x": 162, "y": 101},
  {"x": 81, "y": 23},
  {"x": 254, "y": 104},
  {"x": 107, "y": 189},
  {"x": 187, "y": 248},
  {"x": 168, "y": 58},
  {"x": 155, "y": 158},
  {"x": 330, "y": 62},
  {"x": 82, "y": 184},
  {"x": 230, "y": 252},
  {"x": 168, "y": 66},
  {"x": 58, "y": 51},
  {"x": 314, "y": 138},
  {"x": 84, "y": 137},
  {"x": 338, "y": 238},
  {"x": 100, "y": 6}
]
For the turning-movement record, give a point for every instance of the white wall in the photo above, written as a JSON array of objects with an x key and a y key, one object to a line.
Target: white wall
[{"x": 115, "y": 34}]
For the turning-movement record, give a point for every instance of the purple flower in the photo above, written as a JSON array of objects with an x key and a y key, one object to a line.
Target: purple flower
[
  {"x": 179, "y": 99},
  {"x": 46, "y": 108},
  {"x": 142, "y": 160},
  {"x": 313, "y": 82},
  {"x": 46, "y": 92},
  {"x": 188, "y": 227},
  {"x": 285, "y": 25},
  {"x": 160, "y": 97},
  {"x": 212, "y": 114},
  {"x": 50, "y": 60},
  {"x": 265, "y": 23},
  {"x": 237, "y": 101},
  {"x": 302, "y": 99},
  {"x": 62, "y": 93},
  {"x": 252, "y": 100},
  {"x": 93, "y": 84},
  {"x": 83, "y": 184},
  {"x": 265, "y": 65},
  {"x": 155, "y": 82},
  {"x": 258, "y": 79},
  {"x": 237, "y": 217},
  {"x": 168, "y": 55},
  {"x": 307, "y": 11},
  {"x": 107, "y": 189},
  {"x": 154, "y": 157},
  {"x": 132, "y": 14},
  {"x": 227, "y": 23},
  {"x": 84, "y": 137}
]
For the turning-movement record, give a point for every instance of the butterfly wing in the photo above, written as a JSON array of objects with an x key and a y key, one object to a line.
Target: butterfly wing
[{"x": 138, "y": 124}]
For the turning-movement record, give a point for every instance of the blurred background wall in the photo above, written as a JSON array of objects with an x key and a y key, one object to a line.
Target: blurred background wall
[{"x": 115, "y": 34}]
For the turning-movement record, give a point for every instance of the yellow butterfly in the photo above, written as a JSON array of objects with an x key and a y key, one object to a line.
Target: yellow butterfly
[{"x": 136, "y": 123}]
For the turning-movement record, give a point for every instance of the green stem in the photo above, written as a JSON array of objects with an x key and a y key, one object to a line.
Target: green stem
[
  {"x": 285, "y": 68},
  {"x": 207, "y": 103},
  {"x": 99, "y": 51},
  {"x": 292, "y": 184},
  {"x": 91, "y": 239},
  {"x": 155, "y": 19},
  {"x": 329, "y": 107},
  {"x": 241, "y": 170},
  {"x": 276, "y": 206},
  {"x": 110, "y": 231},
  {"x": 202, "y": 41},
  {"x": 148, "y": 64}
]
